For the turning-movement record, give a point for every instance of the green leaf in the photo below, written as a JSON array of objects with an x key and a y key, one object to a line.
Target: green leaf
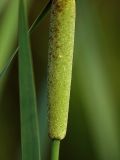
[
  {"x": 29, "y": 117},
  {"x": 8, "y": 32},
  {"x": 35, "y": 24}
]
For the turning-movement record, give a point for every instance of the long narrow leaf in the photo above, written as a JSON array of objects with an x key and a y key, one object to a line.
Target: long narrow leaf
[
  {"x": 35, "y": 24},
  {"x": 29, "y": 118},
  {"x": 8, "y": 32}
]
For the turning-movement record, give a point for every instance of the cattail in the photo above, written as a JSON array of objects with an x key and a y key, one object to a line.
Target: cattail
[{"x": 60, "y": 56}]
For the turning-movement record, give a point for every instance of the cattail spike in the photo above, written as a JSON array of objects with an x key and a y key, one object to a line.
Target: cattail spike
[{"x": 60, "y": 57}]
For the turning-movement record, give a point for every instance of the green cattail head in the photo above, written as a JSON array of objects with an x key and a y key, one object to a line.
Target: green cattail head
[{"x": 60, "y": 56}]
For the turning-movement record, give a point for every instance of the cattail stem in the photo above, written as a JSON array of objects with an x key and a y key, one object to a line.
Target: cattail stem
[{"x": 55, "y": 150}]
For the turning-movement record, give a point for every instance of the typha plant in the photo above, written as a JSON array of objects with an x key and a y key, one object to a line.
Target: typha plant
[
  {"x": 30, "y": 142},
  {"x": 93, "y": 120},
  {"x": 60, "y": 58}
]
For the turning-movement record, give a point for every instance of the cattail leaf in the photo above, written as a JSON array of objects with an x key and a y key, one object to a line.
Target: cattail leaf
[
  {"x": 8, "y": 32},
  {"x": 35, "y": 24},
  {"x": 28, "y": 110},
  {"x": 61, "y": 42}
]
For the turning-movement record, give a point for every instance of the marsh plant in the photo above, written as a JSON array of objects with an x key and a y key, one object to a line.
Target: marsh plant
[{"x": 57, "y": 92}]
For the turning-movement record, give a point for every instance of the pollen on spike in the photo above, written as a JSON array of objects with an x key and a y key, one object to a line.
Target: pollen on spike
[{"x": 60, "y": 57}]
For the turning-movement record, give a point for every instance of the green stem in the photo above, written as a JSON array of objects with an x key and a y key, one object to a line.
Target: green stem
[{"x": 55, "y": 149}]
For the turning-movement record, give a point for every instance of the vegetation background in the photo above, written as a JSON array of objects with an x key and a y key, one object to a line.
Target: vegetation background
[{"x": 93, "y": 128}]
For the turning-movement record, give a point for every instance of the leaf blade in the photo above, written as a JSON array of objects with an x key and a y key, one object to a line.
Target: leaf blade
[
  {"x": 35, "y": 24},
  {"x": 28, "y": 107}
]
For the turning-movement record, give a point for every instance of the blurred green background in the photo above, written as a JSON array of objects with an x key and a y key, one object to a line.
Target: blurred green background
[{"x": 93, "y": 128}]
